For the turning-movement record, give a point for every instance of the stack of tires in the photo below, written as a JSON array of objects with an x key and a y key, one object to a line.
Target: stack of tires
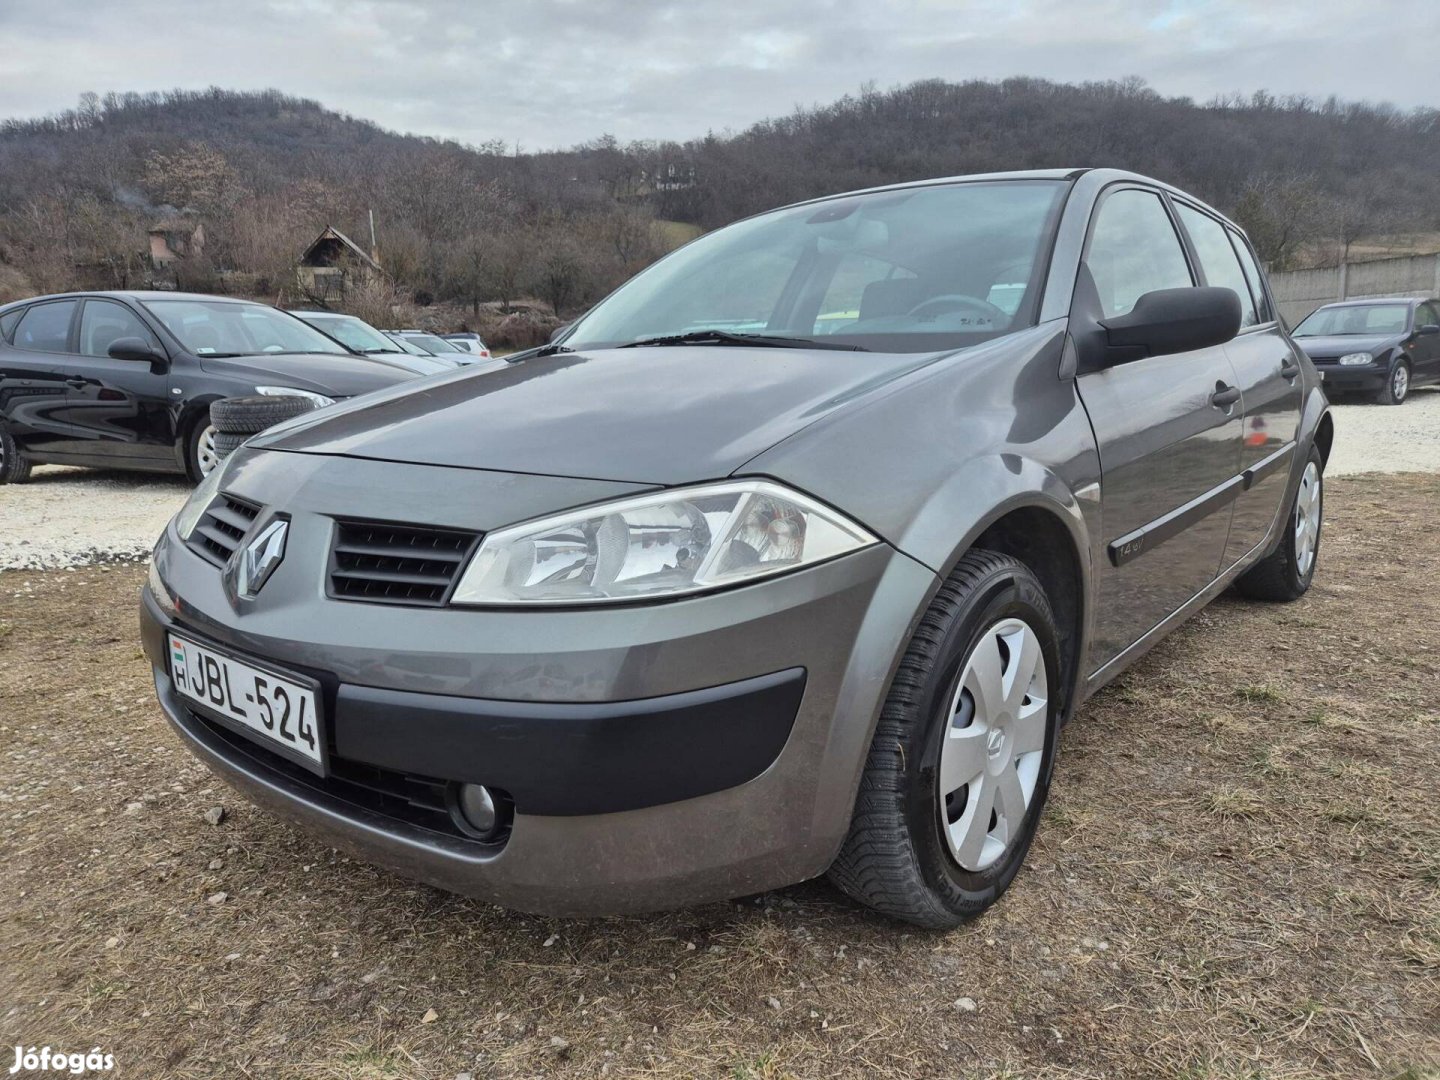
[{"x": 237, "y": 419}]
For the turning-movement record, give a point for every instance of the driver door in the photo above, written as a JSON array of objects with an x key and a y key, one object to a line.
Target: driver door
[
  {"x": 1168, "y": 430},
  {"x": 118, "y": 411}
]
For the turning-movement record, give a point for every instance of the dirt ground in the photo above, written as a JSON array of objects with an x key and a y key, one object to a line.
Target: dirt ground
[{"x": 1238, "y": 876}]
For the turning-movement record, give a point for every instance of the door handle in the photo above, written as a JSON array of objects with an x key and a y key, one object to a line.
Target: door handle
[
  {"x": 1224, "y": 396},
  {"x": 1289, "y": 368},
  {"x": 78, "y": 384}
]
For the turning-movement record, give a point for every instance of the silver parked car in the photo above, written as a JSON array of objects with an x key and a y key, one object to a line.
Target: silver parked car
[
  {"x": 360, "y": 337},
  {"x": 791, "y": 556}
]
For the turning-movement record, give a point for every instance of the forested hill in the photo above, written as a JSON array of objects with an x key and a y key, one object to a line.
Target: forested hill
[{"x": 260, "y": 169}]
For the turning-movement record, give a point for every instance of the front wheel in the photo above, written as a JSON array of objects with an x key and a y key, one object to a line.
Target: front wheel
[
  {"x": 1285, "y": 574},
  {"x": 201, "y": 457},
  {"x": 960, "y": 764},
  {"x": 1397, "y": 387}
]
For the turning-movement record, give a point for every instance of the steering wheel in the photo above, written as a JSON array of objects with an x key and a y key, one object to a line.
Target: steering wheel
[{"x": 960, "y": 302}]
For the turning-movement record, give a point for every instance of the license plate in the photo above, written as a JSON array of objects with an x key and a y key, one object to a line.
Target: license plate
[{"x": 282, "y": 712}]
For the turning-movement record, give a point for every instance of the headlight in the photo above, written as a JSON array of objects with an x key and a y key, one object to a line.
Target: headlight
[
  {"x": 1354, "y": 359},
  {"x": 318, "y": 400},
  {"x": 671, "y": 543},
  {"x": 200, "y": 498}
]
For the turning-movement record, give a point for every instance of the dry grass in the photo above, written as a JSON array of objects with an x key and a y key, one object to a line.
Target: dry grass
[{"x": 1238, "y": 876}]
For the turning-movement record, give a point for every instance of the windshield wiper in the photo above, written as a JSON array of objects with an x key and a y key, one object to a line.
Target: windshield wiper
[
  {"x": 377, "y": 352},
  {"x": 727, "y": 337}
]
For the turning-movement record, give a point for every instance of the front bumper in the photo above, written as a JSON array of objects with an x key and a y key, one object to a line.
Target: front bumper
[
  {"x": 658, "y": 755},
  {"x": 1363, "y": 377}
]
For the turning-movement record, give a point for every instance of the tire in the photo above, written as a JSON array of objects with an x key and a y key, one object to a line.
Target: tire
[
  {"x": 15, "y": 464},
  {"x": 226, "y": 443},
  {"x": 200, "y": 454},
  {"x": 1397, "y": 386},
  {"x": 1285, "y": 574},
  {"x": 898, "y": 858},
  {"x": 251, "y": 415}
]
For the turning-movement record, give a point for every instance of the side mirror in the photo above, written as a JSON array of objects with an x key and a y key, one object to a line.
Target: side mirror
[
  {"x": 559, "y": 331},
  {"x": 1169, "y": 321},
  {"x": 1428, "y": 329},
  {"x": 134, "y": 348}
]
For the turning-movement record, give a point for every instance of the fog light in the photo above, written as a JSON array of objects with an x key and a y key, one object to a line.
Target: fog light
[{"x": 478, "y": 811}]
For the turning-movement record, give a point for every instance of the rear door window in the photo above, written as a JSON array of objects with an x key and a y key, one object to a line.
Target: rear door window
[
  {"x": 1253, "y": 276},
  {"x": 1218, "y": 260},
  {"x": 1134, "y": 250},
  {"x": 46, "y": 327}
]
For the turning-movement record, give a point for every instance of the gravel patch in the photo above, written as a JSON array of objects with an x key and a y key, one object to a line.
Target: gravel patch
[
  {"x": 1381, "y": 438},
  {"x": 71, "y": 517}
]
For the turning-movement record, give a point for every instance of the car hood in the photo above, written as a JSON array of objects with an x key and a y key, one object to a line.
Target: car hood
[
  {"x": 337, "y": 376},
  {"x": 1324, "y": 347},
  {"x": 650, "y": 415}
]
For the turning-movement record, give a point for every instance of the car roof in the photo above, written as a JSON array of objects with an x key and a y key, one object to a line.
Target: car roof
[
  {"x": 133, "y": 294},
  {"x": 1371, "y": 301},
  {"x": 1106, "y": 176}
]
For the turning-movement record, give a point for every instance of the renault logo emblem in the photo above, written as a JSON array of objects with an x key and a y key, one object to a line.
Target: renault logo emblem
[{"x": 255, "y": 562}]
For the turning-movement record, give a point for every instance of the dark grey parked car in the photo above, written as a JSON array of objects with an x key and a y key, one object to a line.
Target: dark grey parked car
[
  {"x": 1381, "y": 347},
  {"x": 793, "y": 555}
]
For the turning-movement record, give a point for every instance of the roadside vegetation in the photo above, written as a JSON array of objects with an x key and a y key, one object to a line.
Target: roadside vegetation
[
  {"x": 481, "y": 227},
  {"x": 1238, "y": 876}
]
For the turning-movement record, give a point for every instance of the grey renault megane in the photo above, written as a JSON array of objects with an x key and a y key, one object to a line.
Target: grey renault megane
[{"x": 791, "y": 557}]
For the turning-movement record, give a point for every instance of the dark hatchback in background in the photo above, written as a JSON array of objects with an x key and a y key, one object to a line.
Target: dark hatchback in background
[
  {"x": 124, "y": 380},
  {"x": 1381, "y": 347},
  {"x": 792, "y": 555}
]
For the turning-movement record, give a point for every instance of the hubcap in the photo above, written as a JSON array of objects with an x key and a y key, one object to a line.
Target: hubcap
[
  {"x": 1401, "y": 382},
  {"x": 993, "y": 743},
  {"x": 205, "y": 454},
  {"x": 1308, "y": 507}
]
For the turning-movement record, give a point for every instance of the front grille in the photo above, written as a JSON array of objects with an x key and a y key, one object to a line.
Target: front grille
[
  {"x": 415, "y": 800},
  {"x": 397, "y": 564},
  {"x": 222, "y": 527}
]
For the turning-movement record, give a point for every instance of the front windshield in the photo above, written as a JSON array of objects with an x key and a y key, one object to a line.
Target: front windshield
[
  {"x": 355, "y": 333},
  {"x": 432, "y": 343},
  {"x": 227, "y": 328},
  {"x": 912, "y": 270},
  {"x": 405, "y": 346},
  {"x": 1356, "y": 320}
]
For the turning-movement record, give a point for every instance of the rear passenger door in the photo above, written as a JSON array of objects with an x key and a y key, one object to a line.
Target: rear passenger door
[
  {"x": 1167, "y": 427},
  {"x": 1267, "y": 371},
  {"x": 32, "y": 382}
]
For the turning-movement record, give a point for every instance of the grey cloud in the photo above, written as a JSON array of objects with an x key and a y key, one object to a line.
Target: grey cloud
[{"x": 548, "y": 73}]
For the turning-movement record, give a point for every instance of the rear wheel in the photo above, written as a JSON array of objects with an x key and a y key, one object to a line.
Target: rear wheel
[
  {"x": 1285, "y": 574},
  {"x": 14, "y": 462},
  {"x": 960, "y": 765},
  {"x": 1397, "y": 387}
]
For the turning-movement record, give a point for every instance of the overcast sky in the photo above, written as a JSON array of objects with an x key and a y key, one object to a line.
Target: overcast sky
[{"x": 549, "y": 73}]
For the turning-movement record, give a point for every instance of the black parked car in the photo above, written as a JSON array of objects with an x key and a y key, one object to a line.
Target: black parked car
[
  {"x": 125, "y": 379},
  {"x": 1381, "y": 347}
]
